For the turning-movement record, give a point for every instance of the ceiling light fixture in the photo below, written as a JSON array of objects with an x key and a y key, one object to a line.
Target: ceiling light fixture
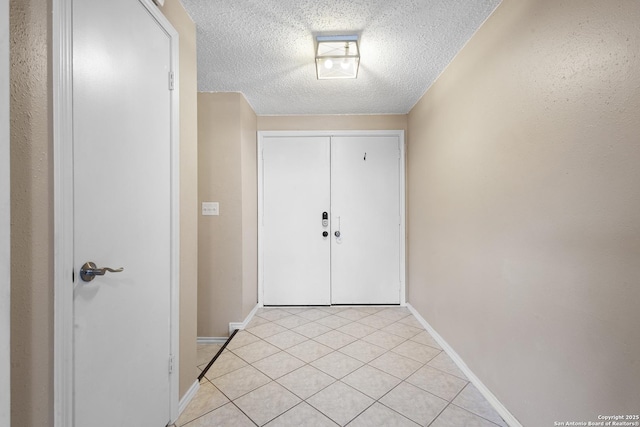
[{"x": 337, "y": 57}]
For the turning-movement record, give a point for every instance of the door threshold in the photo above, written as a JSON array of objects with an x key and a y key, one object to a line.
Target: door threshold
[{"x": 332, "y": 305}]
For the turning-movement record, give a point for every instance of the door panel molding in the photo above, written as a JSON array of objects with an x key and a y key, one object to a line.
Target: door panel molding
[
  {"x": 264, "y": 135},
  {"x": 62, "y": 68}
]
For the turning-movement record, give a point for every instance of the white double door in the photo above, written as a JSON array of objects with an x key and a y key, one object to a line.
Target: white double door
[{"x": 331, "y": 219}]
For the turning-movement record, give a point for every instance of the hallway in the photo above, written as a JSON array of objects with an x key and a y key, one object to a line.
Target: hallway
[{"x": 327, "y": 366}]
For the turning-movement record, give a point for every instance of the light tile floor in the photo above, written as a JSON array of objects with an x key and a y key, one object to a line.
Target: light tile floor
[{"x": 328, "y": 366}]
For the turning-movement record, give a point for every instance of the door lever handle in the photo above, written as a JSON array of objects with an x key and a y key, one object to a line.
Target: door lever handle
[{"x": 89, "y": 271}]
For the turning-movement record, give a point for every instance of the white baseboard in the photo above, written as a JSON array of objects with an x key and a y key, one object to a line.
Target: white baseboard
[
  {"x": 187, "y": 397},
  {"x": 212, "y": 340},
  {"x": 491, "y": 398},
  {"x": 241, "y": 325}
]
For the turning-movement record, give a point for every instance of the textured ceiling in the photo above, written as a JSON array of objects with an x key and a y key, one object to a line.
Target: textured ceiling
[{"x": 265, "y": 49}]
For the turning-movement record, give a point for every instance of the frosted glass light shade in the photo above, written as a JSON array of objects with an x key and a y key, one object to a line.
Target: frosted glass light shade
[{"x": 337, "y": 57}]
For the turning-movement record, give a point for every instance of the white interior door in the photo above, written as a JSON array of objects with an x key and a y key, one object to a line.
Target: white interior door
[
  {"x": 122, "y": 214},
  {"x": 366, "y": 211},
  {"x": 296, "y": 192}
]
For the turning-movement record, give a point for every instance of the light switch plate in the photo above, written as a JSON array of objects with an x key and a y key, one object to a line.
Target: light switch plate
[{"x": 210, "y": 208}]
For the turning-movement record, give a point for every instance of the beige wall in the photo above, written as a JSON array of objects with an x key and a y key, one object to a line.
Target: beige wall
[
  {"x": 523, "y": 207},
  {"x": 31, "y": 205},
  {"x": 5, "y": 223},
  {"x": 333, "y": 122},
  {"x": 227, "y": 244},
  {"x": 31, "y": 223},
  {"x": 178, "y": 17}
]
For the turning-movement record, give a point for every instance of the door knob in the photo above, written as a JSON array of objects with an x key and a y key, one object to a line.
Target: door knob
[
  {"x": 89, "y": 271},
  {"x": 325, "y": 233},
  {"x": 337, "y": 234}
]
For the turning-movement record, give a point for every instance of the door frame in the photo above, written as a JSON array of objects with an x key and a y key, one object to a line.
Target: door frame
[
  {"x": 263, "y": 135},
  {"x": 62, "y": 62}
]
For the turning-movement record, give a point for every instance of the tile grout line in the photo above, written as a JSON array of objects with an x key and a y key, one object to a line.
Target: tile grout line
[
  {"x": 245, "y": 414},
  {"x": 448, "y": 404},
  {"x": 473, "y": 413}
]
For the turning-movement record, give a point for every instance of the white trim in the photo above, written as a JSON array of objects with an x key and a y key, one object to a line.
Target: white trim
[
  {"x": 174, "y": 321},
  {"x": 403, "y": 214},
  {"x": 260, "y": 158},
  {"x": 491, "y": 398},
  {"x": 403, "y": 207},
  {"x": 241, "y": 325},
  {"x": 63, "y": 210},
  {"x": 186, "y": 399},
  {"x": 212, "y": 340},
  {"x": 5, "y": 223}
]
